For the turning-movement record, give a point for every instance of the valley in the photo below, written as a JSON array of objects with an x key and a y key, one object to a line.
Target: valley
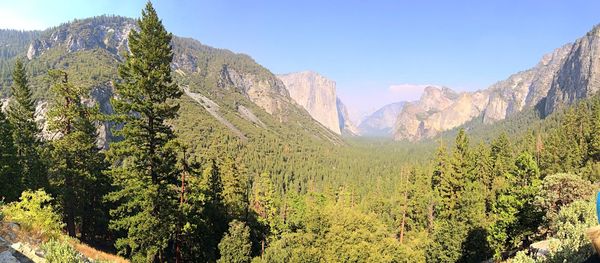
[{"x": 117, "y": 136}]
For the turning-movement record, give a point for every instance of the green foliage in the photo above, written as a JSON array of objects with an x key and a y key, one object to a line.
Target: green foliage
[
  {"x": 570, "y": 228},
  {"x": 561, "y": 189},
  {"x": 522, "y": 257},
  {"x": 76, "y": 162},
  {"x": 26, "y": 134},
  {"x": 35, "y": 212},
  {"x": 56, "y": 251},
  {"x": 144, "y": 162},
  {"x": 235, "y": 245},
  {"x": 9, "y": 174}
]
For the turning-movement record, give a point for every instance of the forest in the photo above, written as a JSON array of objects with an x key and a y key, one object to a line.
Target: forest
[{"x": 175, "y": 186}]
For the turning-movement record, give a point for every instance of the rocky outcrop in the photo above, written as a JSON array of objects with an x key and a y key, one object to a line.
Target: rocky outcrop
[
  {"x": 524, "y": 89},
  {"x": 579, "y": 75},
  {"x": 105, "y": 32},
  {"x": 438, "y": 110},
  {"x": 268, "y": 93},
  {"x": 382, "y": 121},
  {"x": 346, "y": 125},
  {"x": 316, "y": 94}
]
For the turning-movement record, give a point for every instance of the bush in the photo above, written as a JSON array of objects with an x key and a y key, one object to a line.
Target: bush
[
  {"x": 561, "y": 189},
  {"x": 522, "y": 257},
  {"x": 570, "y": 226},
  {"x": 60, "y": 252},
  {"x": 35, "y": 212}
]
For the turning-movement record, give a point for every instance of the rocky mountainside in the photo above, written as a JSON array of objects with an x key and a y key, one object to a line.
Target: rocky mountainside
[
  {"x": 316, "y": 94},
  {"x": 346, "y": 126},
  {"x": 382, "y": 121},
  {"x": 559, "y": 77},
  {"x": 579, "y": 74},
  {"x": 89, "y": 50}
]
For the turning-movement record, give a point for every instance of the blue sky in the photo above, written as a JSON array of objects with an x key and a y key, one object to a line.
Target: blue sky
[{"x": 377, "y": 51}]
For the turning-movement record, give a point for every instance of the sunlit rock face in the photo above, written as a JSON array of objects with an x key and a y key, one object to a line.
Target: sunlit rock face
[
  {"x": 440, "y": 109},
  {"x": 316, "y": 94}
]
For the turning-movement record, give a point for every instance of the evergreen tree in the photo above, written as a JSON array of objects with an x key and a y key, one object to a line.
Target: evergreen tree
[
  {"x": 235, "y": 190},
  {"x": 21, "y": 111},
  {"x": 235, "y": 245},
  {"x": 144, "y": 163},
  {"x": 77, "y": 165},
  {"x": 9, "y": 175}
]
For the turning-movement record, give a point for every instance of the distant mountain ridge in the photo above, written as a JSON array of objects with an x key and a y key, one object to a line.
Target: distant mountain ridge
[
  {"x": 381, "y": 122},
  {"x": 89, "y": 50},
  {"x": 563, "y": 76}
]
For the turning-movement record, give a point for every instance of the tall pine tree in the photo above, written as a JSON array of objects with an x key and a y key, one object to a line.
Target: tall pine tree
[
  {"x": 77, "y": 164},
  {"x": 144, "y": 163},
  {"x": 21, "y": 111},
  {"x": 9, "y": 175}
]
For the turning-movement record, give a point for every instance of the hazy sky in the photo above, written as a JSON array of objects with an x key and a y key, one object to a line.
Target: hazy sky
[{"x": 377, "y": 51}]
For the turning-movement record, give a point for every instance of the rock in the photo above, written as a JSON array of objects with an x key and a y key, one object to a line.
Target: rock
[
  {"x": 439, "y": 110},
  {"x": 346, "y": 125},
  {"x": 579, "y": 75},
  {"x": 7, "y": 257},
  {"x": 316, "y": 94}
]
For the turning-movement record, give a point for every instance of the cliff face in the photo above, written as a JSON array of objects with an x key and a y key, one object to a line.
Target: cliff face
[
  {"x": 346, "y": 126},
  {"x": 316, "y": 94},
  {"x": 381, "y": 122},
  {"x": 438, "y": 111},
  {"x": 579, "y": 75}
]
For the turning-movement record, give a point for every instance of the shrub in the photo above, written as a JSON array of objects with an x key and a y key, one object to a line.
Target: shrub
[
  {"x": 35, "y": 212},
  {"x": 60, "y": 252},
  {"x": 522, "y": 257},
  {"x": 561, "y": 189},
  {"x": 570, "y": 226}
]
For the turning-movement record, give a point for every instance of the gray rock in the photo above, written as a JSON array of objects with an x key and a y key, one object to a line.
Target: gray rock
[
  {"x": 316, "y": 94},
  {"x": 579, "y": 75},
  {"x": 7, "y": 257},
  {"x": 346, "y": 125}
]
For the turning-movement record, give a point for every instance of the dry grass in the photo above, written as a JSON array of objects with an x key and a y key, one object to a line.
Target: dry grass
[{"x": 95, "y": 254}]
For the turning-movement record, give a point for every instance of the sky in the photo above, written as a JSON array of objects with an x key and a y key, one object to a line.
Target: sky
[{"x": 378, "y": 52}]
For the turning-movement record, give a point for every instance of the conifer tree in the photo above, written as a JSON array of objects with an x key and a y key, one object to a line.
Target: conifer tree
[
  {"x": 144, "y": 163},
  {"x": 9, "y": 175},
  {"x": 77, "y": 164},
  {"x": 21, "y": 111},
  {"x": 234, "y": 189},
  {"x": 235, "y": 245}
]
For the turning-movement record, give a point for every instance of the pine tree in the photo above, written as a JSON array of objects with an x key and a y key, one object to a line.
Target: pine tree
[
  {"x": 144, "y": 163},
  {"x": 9, "y": 175},
  {"x": 235, "y": 245},
  {"x": 77, "y": 164},
  {"x": 21, "y": 111},
  {"x": 235, "y": 191}
]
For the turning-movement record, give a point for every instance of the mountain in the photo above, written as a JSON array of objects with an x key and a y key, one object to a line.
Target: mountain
[
  {"x": 317, "y": 95},
  {"x": 381, "y": 122},
  {"x": 245, "y": 99},
  {"x": 346, "y": 125},
  {"x": 579, "y": 74},
  {"x": 523, "y": 90}
]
